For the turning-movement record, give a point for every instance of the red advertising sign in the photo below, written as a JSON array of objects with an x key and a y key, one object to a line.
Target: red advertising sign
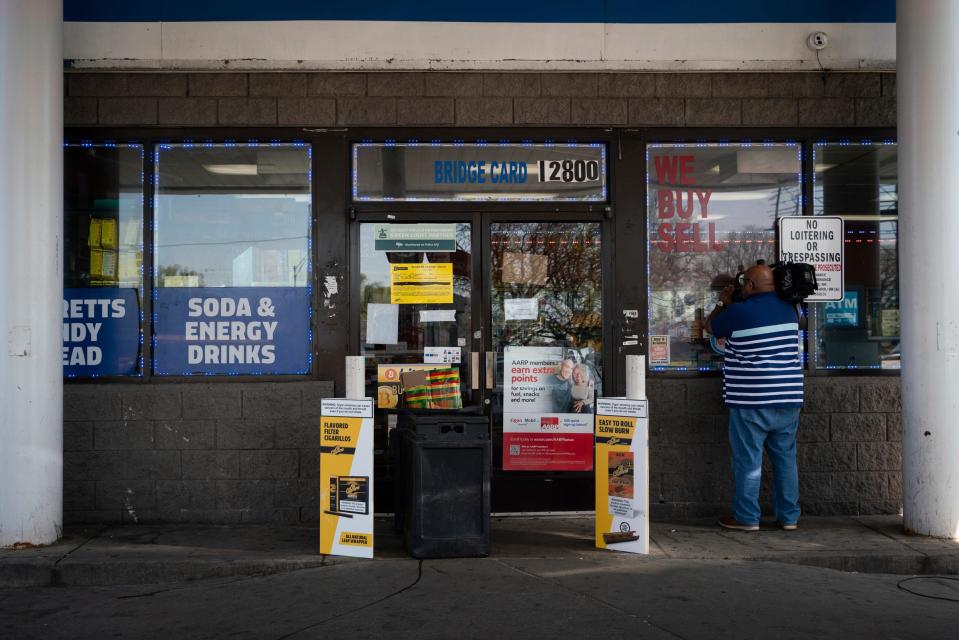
[{"x": 548, "y": 409}]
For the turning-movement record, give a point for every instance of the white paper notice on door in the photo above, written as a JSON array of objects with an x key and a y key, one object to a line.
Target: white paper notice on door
[
  {"x": 382, "y": 323},
  {"x": 438, "y": 315},
  {"x": 441, "y": 355},
  {"x": 521, "y": 308}
]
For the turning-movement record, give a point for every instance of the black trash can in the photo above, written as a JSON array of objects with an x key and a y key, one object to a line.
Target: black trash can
[{"x": 443, "y": 472}]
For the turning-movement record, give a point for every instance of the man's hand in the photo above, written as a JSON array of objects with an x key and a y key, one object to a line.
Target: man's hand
[{"x": 725, "y": 299}]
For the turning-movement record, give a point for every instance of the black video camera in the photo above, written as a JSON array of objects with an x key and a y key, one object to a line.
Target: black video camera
[{"x": 795, "y": 281}]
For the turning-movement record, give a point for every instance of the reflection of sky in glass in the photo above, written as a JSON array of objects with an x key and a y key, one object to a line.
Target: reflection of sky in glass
[
  {"x": 232, "y": 215},
  {"x": 753, "y": 198},
  {"x": 206, "y": 232},
  {"x": 376, "y": 267}
]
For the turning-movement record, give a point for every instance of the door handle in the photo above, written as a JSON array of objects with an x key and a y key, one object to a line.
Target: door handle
[
  {"x": 490, "y": 363},
  {"x": 474, "y": 370}
]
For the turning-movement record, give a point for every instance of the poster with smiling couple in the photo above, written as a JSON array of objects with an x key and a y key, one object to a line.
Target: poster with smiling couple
[{"x": 548, "y": 405}]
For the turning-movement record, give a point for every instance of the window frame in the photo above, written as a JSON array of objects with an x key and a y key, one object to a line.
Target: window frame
[
  {"x": 701, "y": 143},
  {"x": 806, "y": 137},
  {"x": 150, "y": 139},
  {"x": 812, "y": 350},
  {"x": 167, "y": 145},
  {"x": 145, "y": 309}
]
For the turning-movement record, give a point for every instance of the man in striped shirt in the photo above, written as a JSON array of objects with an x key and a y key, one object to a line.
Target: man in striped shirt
[{"x": 763, "y": 388}]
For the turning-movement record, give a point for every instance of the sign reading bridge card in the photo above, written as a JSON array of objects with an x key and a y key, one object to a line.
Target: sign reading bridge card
[{"x": 231, "y": 330}]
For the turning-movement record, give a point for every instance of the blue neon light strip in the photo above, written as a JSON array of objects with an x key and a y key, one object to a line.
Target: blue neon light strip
[{"x": 536, "y": 11}]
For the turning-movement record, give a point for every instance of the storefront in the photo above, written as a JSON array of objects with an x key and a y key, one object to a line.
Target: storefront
[
  {"x": 518, "y": 264},
  {"x": 518, "y": 196}
]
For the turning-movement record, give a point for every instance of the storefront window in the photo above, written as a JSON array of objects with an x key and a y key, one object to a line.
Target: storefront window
[
  {"x": 712, "y": 213},
  {"x": 232, "y": 265},
  {"x": 103, "y": 260},
  {"x": 859, "y": 183}
]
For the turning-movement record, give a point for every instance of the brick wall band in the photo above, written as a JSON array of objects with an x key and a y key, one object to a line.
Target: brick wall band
[{"x": 480, "y": 99}]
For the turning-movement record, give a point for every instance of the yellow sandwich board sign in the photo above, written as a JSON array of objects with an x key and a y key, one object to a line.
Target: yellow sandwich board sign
[
  {"x": 346, "y": 477},
  {"x": 621, "y": 433}
]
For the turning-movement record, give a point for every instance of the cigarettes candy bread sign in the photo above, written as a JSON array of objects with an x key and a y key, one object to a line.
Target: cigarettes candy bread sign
[
  {"x": 622, "y": 475},
  {"x": 346, "y": 477}
]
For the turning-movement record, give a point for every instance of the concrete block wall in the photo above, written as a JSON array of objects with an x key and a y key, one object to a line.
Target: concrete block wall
[
  {"x": 248, "y": 452},
  {"x": 480, "y": 99},
  {"x": 192, "y": 452},
  {"x": 849, "y": 451}
]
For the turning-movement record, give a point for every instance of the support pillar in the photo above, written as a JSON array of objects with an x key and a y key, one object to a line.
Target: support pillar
[
  {"x": 31, "y": 264},
  {"x": 355, "y": 378},
  {"x": 927, "y": 42}
]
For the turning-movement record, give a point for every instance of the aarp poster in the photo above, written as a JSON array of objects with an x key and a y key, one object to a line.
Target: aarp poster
[{"x": 548, "y": 402}]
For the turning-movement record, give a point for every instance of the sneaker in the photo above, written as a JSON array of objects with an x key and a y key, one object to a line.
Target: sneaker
[
  {"x": 729, "y": 522},
  {"x": 792, "y": 526}
]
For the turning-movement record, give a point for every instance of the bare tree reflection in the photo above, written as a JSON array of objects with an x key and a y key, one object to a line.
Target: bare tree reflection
[{"x": 561, "y": 268}]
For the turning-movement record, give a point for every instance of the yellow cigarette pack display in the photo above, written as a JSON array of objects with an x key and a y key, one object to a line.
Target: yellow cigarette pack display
[
  {"x": 108, "y": 268},
  {"x": 96, "y": 262},
  {"x": 93, "y": 241},
  {"x": 108, "y": 233}
]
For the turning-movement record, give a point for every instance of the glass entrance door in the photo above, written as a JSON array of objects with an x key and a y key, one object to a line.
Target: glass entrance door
[
  {"x": 544, "y": 362},
  {"x": 518, "y": 322},
  {"x": 416, "y": 296}
]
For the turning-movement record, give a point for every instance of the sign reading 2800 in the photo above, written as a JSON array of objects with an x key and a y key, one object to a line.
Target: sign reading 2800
[{"x": 568, "y": 170}]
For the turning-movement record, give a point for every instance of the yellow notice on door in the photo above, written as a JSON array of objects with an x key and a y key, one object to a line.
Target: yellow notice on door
[{"x": 421, "y": 283}]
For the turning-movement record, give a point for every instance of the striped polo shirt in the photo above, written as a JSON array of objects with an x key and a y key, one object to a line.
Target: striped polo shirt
[{"x": 763, "y": 366}]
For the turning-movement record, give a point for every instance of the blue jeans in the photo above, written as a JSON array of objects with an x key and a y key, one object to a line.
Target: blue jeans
[{"x": 749, "y": 431}]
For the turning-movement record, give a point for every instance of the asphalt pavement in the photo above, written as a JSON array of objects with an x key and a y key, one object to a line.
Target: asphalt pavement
[{"x": 834, "y": 578}]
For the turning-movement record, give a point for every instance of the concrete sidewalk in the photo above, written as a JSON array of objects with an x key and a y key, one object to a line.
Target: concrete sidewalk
[{"x": 151, "y": 554}]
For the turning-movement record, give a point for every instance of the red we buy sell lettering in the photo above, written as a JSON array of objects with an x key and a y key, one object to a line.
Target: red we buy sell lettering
[{"x": 682, "y": 237}]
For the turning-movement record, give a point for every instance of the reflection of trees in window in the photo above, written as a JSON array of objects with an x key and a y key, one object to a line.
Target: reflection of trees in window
[
  {"x": 561, "y": 268},
  {"x": 181, "y": 271},
  {"x": 889, "y": 266},
  {"x": 674, "y": 273}
]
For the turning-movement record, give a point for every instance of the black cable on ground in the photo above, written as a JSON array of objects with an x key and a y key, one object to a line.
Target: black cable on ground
[
  {"x": 899, "y": 585},
  {"x": 419, "y": 575}
]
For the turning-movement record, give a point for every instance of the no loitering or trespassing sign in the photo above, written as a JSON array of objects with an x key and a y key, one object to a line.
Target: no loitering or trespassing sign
[{"x": 819, "y": 241}]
